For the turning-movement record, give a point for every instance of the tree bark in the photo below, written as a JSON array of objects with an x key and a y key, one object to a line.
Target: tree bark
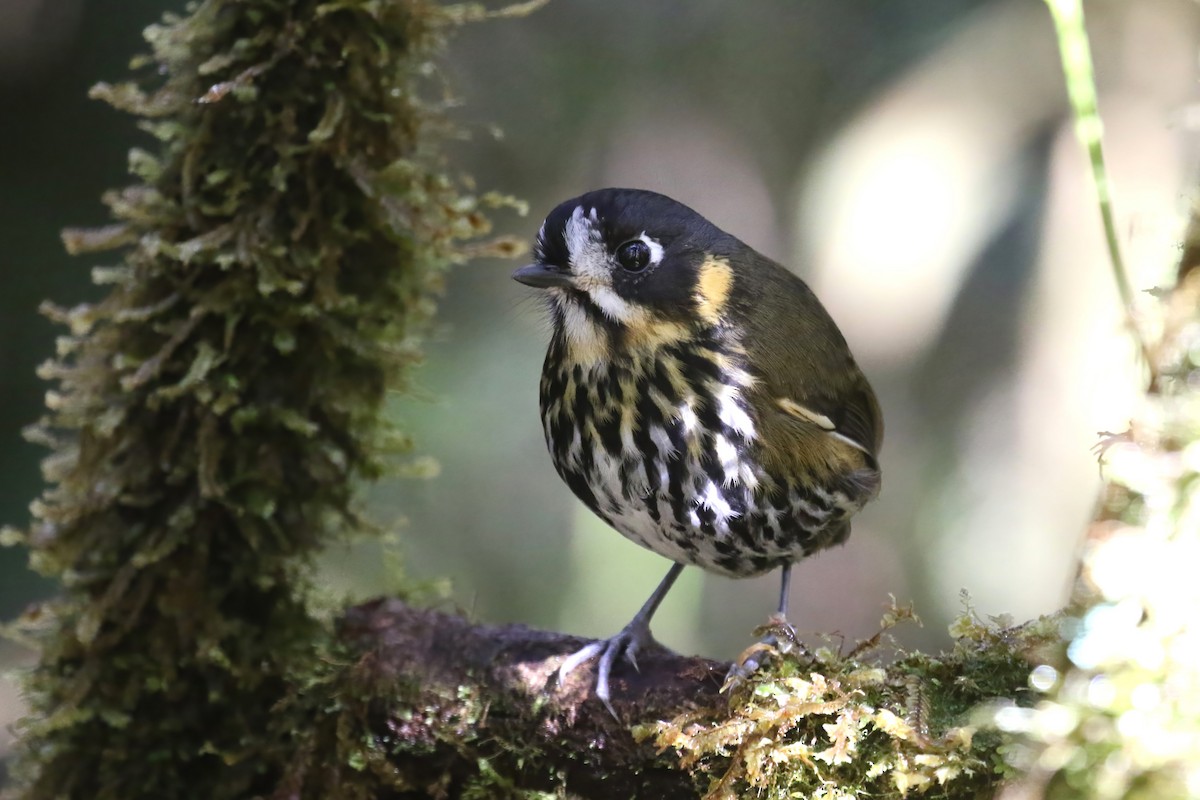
[{"x": 502, "y": 679}]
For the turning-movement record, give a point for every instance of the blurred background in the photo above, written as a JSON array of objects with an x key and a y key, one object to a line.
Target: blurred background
[{"x": 914, "y": 162}]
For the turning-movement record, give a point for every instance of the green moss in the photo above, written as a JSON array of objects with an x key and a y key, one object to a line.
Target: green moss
[
  {"x": 828, "y": 725},
  {"x": 215, "y": 411}
]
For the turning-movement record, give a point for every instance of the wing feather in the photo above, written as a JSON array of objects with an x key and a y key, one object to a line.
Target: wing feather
[{"x": 806, "y": 370}]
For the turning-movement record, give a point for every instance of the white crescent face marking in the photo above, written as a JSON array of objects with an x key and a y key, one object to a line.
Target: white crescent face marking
[
  {"x": 592, "y": 265},
  {"x": 656, "y": 249},
  {"x": 614, "y": 306},
  {"x": 585, "y": 246}
]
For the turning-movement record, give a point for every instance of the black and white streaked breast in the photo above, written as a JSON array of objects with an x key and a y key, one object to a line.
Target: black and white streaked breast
[{"x": 655, "y": 433}]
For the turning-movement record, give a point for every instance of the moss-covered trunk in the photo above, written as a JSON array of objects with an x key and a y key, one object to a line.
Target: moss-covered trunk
[{"x": 214, "y": 411}]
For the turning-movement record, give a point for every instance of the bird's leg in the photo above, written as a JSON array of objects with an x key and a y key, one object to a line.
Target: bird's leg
[
  {"x": 780, "y": 637},
  {"x": 628, "y": 642},
  {"x": 779, "y": 624},
  {"x": 785, "y": 586}
]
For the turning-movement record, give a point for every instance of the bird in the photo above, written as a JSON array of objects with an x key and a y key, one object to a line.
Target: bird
[{"x": 696, "y": 396}]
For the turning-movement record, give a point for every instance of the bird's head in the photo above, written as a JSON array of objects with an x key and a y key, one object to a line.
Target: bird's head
[{"x": 625, "y": 268}]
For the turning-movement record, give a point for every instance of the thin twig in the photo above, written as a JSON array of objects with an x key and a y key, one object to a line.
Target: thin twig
[{"x": 1076, "y": 55}]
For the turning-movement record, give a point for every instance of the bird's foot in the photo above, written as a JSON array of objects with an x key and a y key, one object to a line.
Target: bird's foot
[
  {"x": 628, "y": 642},
  {"x": 778, "y": 638}
]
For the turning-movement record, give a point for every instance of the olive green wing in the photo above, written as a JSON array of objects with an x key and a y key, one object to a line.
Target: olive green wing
[{"x": 805, "y": 370}]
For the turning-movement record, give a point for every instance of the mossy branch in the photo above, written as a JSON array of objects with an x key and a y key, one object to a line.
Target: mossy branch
[{"x": 427, "y": 704}]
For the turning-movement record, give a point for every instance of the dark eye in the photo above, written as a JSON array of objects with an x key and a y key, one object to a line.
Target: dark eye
[{"x": 634, "y": 255}]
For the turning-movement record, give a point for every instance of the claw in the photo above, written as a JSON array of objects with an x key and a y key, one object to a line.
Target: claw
[
  {"x": 602, "y": 689},
  {"x": 631, "y": 653},
  {"x": 778, "y": 639},
  {"x": 627, "y": 643},
  {"x": 577, "y": 658},
  {"x": 748, "y": 661}
]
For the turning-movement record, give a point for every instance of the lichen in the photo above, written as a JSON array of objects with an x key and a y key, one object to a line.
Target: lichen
[
  {"x": 833, "y": 725},
  {"x": 214, "y": 412}
]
